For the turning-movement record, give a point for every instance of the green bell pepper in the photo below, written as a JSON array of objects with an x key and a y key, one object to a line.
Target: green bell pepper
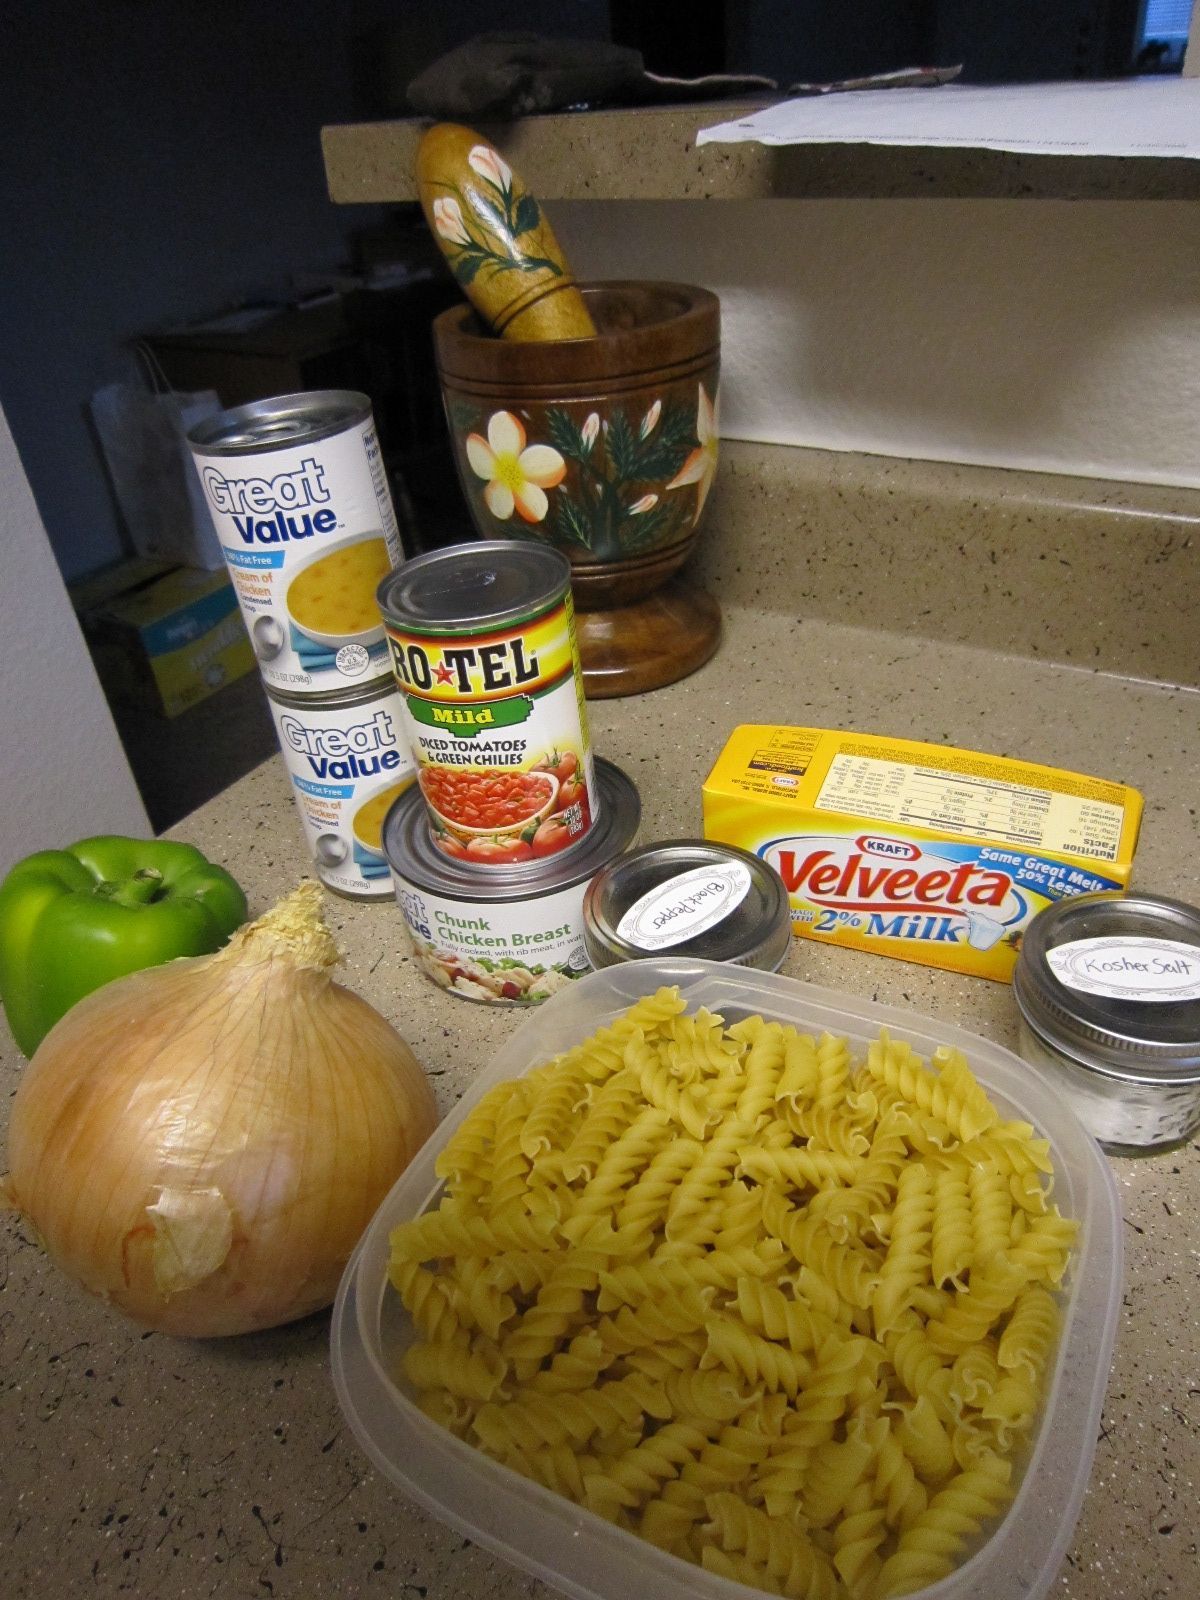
[{"x": 71, "y": 920}]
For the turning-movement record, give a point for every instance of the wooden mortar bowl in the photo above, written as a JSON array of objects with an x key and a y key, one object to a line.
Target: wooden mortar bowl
[{"x": 605, "y": 448}]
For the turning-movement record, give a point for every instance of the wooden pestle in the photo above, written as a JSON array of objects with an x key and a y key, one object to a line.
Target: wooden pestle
[{"x": 496, "y": 238}]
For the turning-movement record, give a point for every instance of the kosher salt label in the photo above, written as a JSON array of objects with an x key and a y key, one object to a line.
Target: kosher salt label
[{"x": 1128, "y": 967}]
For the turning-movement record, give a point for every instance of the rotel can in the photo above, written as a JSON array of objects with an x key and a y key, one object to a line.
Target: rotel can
[
  {"x": 300, "y": 501},
  {"x": 483, "y": 647},
  {"x": 348, "y": 759}
]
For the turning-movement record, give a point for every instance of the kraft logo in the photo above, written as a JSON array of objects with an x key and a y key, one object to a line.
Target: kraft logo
[{"x": 896, "y": 849}]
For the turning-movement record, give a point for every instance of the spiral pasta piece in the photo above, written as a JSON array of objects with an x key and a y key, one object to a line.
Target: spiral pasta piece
[
  {"x": 852, "y": 1273},
  {"x": 637, "y": 1475},
  {"x": 644, "y": 1205},
  {"x": 799, "y": 1077},
  {"x": 765, "y": 1308},
  {"x": 550, "y": 1112},
  {"x": 856, "y": 1541},
  {"x": 1028, "y": 1338},
  {"x": 466, "y": 1156},
  {"x": 952, "y": 1240},
  {"x": 554, "y": 1314},
  {"x": 529, "y": 1418},
  {"x": 456, "y": 1230},
  {"x": 606, "y": 1115},
  {"x": 799, "y": 1167},
  {"x": 950, "y": 1093},
  {"x": 929, "y": 1548},
  {"x": 487, "y": 1307},
  {"x": 783, "y": 1552},
  {"x": 759, "y": 1361},
  {"x": 456, "y": 1368},
  {"x": 992, "y": 1291},
  {"x": 909, "y": 1259},
  {"x": 429, "y": 1301}
]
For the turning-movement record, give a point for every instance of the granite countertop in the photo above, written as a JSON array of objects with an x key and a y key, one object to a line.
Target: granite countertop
[{"x": 157, "y": 1467}]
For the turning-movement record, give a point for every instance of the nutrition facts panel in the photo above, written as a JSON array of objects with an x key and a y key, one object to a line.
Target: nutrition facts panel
[{"x": 983, "y": 807}]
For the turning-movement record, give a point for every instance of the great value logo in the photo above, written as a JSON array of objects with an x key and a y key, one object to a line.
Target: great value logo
[
  {"x": 273, "y": 510},
  {"x": 357, "y": 750},
  {"x": 896, "y": 888}
]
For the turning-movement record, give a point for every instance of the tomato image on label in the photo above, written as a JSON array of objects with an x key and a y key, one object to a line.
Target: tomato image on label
[
  {"x": 475, "y": 801},
  {"x": 503, "y": 817}
]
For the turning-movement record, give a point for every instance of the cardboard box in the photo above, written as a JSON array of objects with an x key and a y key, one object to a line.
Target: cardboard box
[
  {"x": 921, "y": 851},
  {"x": 163, "y": 638}
]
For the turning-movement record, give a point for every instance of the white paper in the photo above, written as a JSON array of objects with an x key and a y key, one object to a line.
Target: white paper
[{"x": 1132, "y": 117}]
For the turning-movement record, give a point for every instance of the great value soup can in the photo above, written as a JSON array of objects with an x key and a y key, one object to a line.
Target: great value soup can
[
  {"x": 514, "y": 935},
  {"x": 483, "y": 647},
  {"x": 300, "y": 500},
  {"x": 349, "y": 762}
]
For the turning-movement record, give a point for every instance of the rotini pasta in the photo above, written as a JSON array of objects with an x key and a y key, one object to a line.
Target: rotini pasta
[{"x": 782, "y": 1312}]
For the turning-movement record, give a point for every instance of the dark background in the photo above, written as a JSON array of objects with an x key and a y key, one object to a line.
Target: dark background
[
  {"x": 161, "y": 165},
  {"x": 161, "y": 162}
]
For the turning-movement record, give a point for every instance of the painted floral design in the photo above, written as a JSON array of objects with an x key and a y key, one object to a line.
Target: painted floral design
[
  {"x": 489, "y": 164},
  {"x": 516, "y": 475},
  {"x": 701, "y": 466},
  {"x": 448, "y": 220},
  {"x": 612, "y": 471},
  {"x": 488, "y": 239}
]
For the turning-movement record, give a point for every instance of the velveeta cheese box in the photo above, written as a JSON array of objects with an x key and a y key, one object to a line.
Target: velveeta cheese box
[{"x": 921, "y": 851}]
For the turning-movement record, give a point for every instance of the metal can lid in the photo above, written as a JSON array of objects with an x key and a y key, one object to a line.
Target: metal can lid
[
  {"x": 467, "y": 588},
  {"x": 693, "y": 897},
  {"x": 1113, "y": 980},
  {"x": 335, "y": 699},
  {"x": 414, "y": 858},
  {"x": 279, "y": 423}
]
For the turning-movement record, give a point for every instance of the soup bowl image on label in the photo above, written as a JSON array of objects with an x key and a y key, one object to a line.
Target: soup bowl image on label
[
  {"x": 331, "y": 599},
  {"x": 367, "y": 825}
]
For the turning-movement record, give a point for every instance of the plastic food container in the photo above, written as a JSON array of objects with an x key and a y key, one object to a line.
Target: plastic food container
[
  {"x": 1108, "y": 987},
  {"x": 586, "y": 1557}
]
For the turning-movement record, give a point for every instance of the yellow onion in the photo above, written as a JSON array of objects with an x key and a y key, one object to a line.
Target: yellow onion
[{"x": 203, "y": 1143}]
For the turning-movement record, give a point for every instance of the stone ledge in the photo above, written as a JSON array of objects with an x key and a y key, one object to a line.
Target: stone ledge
[
  {"x": 650, "y": 154},
  {"x": 1087, "y": 573}
]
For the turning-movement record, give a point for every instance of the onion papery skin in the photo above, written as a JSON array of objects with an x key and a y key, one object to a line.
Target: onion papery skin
[{"x": 202, "y": 1144}]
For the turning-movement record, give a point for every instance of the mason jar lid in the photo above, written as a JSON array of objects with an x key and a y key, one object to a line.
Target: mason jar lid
[
  {"x": 692, "y": 897},
  {"x": 1113, "y": 980}
]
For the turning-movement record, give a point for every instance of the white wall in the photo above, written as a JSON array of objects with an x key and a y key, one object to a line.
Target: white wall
[
  {"x": 1062, "y": 336},
  {"x": 64, "y": 773}
]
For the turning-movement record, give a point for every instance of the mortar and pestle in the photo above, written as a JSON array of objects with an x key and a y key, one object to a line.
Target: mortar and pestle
[{"x": 583, "y": 415}]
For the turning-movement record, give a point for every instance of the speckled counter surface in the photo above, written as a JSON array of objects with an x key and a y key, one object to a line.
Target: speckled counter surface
[
  {"x": 650, "y": 153},
  {"x": 133, "y": 1463}
]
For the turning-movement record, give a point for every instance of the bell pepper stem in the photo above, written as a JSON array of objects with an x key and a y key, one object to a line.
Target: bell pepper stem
[{"x": 138, "y": 890}]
